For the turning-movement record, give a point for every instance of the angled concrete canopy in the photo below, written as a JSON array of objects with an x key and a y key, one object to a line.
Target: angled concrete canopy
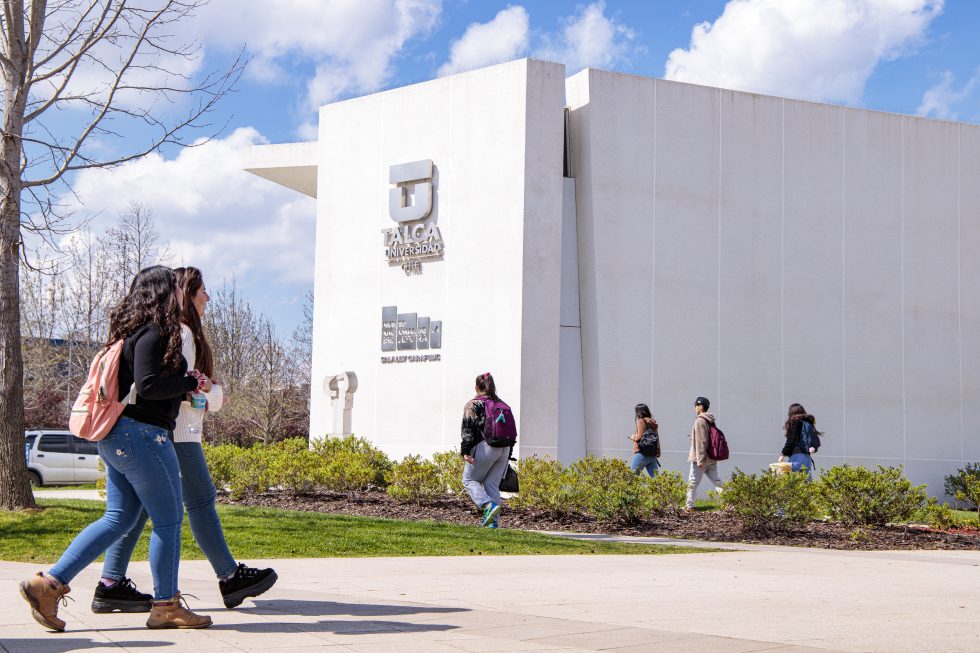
[{"x": 292, "y": 165}]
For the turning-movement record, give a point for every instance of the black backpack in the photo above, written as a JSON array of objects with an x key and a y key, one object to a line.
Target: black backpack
[
  {"x": 649, "y": 442},
  {"x": 809, "y": 438}
]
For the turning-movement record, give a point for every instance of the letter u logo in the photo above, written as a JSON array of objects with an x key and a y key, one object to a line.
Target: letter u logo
[{"x": 415, "y": 176}]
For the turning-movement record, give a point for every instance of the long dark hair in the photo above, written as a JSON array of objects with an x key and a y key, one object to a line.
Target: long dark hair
[
  {"x": 797, "y": 412},
  {"x": 191, "y": 281},
  {"x": 643, "y": 411},
  {"x": 152, "y": 299},
  {"x": 486, "y": 386}
]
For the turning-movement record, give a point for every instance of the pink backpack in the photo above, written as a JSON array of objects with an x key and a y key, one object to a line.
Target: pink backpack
[{"x": 98, "y": 407}]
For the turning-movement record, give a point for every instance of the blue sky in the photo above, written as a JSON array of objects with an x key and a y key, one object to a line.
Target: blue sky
[{"x": 904, "y": 56}]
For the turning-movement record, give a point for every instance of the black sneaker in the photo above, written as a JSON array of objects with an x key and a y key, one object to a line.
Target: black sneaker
[
  {"x": 246, "y": 582},
  {"x": 123, "y": 596}
]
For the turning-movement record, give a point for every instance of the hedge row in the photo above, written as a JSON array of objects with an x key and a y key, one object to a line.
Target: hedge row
[{"x": 603, "y": 488}]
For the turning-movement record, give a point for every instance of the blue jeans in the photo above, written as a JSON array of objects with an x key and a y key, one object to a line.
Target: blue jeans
[
  {"x": 640, "y": 461},
  {"x": 801, "y": 460},
  {"x": 199, "y": 495},
  {"x": 141, "y": 470}
]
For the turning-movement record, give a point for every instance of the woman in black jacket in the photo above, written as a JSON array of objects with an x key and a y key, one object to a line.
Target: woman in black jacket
[
  {"x": 795, "y": 448},
  {"x": 141, "y": 465}
]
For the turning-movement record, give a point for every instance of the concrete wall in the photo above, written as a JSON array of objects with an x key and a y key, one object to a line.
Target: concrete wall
[
  {"x": 762, "y": 251},
  {"x": 495, "y": 138}
]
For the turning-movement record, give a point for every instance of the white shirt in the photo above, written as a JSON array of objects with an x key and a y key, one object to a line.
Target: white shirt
[{"x": 190, "y": 420}]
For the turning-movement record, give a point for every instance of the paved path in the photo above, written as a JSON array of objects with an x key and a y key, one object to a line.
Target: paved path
[
  {"x": 779, "y": 600},
  {"x": 68, "y": 494}
]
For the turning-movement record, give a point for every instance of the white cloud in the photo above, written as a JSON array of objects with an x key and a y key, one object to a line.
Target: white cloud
[
  {"x": 502, "y": 39},
  {"x": 349, "y": 43},
  {"x": 214, "y": 215},
  {"x": 588, "y": 38},
  {"x": 944, "y": 100},
  {"x": 814, "y": 49}
]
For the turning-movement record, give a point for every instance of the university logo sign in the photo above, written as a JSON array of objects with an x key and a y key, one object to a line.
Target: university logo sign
[
  {"x": 410, "y": 333},
  {"x": 417, "y": 237}
]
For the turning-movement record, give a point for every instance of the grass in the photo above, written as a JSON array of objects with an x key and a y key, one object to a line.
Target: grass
[
  {"x": 81, "y": 486},
  {"x": 254, "y": 533},
  {"x": 965, "y": 516}
]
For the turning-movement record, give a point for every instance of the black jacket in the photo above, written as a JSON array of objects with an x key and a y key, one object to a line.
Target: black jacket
[
  {"x": 158, "y": 393},
  {"x": 471, "y": 433},
  {"x": 793, "y": 444}
]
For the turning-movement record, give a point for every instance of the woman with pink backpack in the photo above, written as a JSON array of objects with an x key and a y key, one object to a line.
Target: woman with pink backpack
[{"x": 141, "y": 465}]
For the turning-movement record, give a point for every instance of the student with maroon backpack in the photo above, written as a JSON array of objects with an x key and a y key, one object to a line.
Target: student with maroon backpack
[
  {"x": 702, "y": 464},
  {"x": 488, "y": 436}
]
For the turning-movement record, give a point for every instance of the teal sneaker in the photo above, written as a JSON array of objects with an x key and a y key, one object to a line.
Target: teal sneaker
[
  {"x": 490, "y": 512},
  {"x": 493, "y": 524}
]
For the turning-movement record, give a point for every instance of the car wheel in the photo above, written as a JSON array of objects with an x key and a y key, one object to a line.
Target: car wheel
[{"x": 35, "y": 478}]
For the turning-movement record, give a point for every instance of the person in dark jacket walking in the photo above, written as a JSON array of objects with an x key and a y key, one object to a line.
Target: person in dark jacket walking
[
  {"x": 141, "y": 465},
  {"x": 793, "y": 449},
  {"x": 485, "y": 465}
]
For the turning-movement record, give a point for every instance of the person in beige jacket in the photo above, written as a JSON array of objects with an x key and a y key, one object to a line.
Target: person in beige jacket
[{"x": 701, "y": 464}]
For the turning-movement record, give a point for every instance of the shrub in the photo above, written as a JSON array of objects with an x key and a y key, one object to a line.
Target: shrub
[
  {"x": 939, "y": 515},
  {"x": 865, "y": 497},
  {"x": 964, "y": 486},
  {"x": 668, "y": 491},
  {"x": 348, "y": 471},
  {"x": 606, "y": 488},
  {"x": 220, "y": 461},
  {"x": 450, "y": 469},
  {"x": 956, "y": 484},
  {"x": 545, "y": 485},
  {"x": 351, "y": 444},
  {"x": 770, "y": 501},
  {"x": 293, "y": 467},
  {"x": 249, "y": 474},
  {"x": 414, "y": 479}
]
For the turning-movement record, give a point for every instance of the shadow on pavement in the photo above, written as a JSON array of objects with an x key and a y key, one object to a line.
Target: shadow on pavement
[
  {"x": 336, "y": 627},
  {"x": 55, "y": 644},
  {"x": 325, "y": 608}
]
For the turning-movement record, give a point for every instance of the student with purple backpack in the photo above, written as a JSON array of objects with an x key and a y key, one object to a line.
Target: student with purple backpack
[
  {"x": 705, "y": 453},
  {"x": 488, "y": 436}
]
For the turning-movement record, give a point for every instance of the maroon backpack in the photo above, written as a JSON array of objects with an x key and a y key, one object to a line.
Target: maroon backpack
[
  {"x": 499, "y": 427},
  {"x": 717, "y": 445}
]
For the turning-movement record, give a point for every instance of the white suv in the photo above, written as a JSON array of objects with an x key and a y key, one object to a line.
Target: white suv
[{"x": 59, "y": 458}]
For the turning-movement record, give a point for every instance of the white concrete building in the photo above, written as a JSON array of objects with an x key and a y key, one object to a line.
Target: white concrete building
[{"x": 652, "y": 242}]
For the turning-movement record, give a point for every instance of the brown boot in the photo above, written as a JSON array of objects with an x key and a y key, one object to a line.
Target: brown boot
[
  {"x": 173, "y": 614},
  {"x": 44, "y": 593}
]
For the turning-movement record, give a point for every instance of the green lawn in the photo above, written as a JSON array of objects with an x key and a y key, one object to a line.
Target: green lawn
[
  {"x": 254, "y": 533},
  {"x": 965, "y": 516},
  {"x": 82, "y": 486}
]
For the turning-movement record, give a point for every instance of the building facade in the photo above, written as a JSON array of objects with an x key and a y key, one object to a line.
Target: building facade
[{"x": 609, "y": 239}]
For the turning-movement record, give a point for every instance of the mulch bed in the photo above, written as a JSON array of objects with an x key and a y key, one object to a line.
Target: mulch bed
[{"x": 700, "y": 525}]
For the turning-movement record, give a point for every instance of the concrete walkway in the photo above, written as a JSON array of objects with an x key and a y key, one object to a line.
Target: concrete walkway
[
  {"x": 92, "y": 495},
  {"x": 778, "y": 599}
]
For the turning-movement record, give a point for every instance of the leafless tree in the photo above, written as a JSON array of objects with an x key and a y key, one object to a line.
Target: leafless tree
[
  {"x": 302, "y": 341},
  {"x": 263, "y": 376},
  {"x": 131, "y": 245},
  {"x": 114, "y": 66}
]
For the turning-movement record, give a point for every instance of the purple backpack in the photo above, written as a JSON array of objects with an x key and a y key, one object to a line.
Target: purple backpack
[
  {"x": 717, "y": 445},
  {"x": 499, "y": 427}
]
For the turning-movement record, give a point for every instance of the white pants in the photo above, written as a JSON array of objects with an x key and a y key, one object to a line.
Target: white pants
[
  {"x": 694, "y": 480},
  {"x": 482, "y": 477}
]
